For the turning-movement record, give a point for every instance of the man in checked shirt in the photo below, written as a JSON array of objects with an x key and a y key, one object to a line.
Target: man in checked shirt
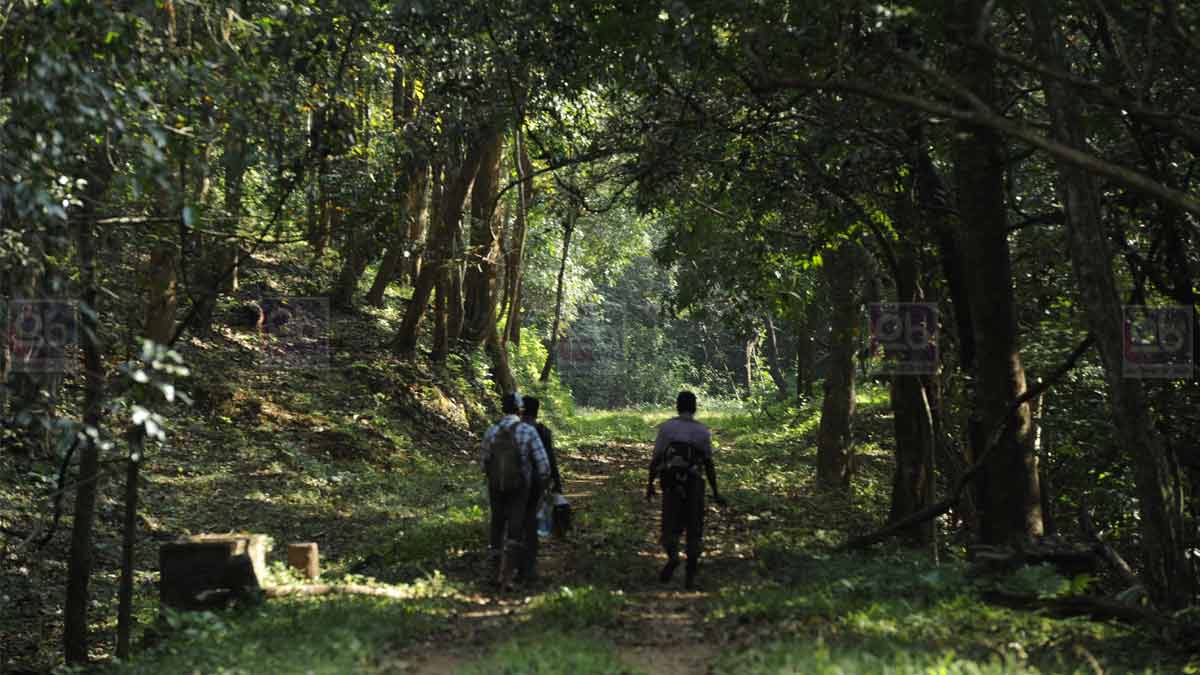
[{"x": 508, "y": 507}]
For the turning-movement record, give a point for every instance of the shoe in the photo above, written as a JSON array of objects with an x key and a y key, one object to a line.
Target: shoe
[{"x": 668, "y": 570}]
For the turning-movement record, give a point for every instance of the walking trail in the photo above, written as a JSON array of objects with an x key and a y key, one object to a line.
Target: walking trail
[{"x": 659, "y": 628}]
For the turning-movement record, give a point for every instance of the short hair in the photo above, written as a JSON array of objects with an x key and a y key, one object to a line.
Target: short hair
[
  {"x": 511, "y": 403},
  {"x": 531, "y": 407},
  {"x": 685, "y": 402}
]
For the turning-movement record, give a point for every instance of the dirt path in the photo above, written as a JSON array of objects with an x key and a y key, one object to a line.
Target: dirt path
[{"x": 660, "y": 628}]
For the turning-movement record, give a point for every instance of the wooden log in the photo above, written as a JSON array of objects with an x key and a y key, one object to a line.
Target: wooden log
[
  {"x": 206, "y": 571},
  {"x": 304, "y": 558},
  {"x": 331, "y": 589},
  {"x": 1068, "y": 560},
  {"x": 1099, "y": 609}
]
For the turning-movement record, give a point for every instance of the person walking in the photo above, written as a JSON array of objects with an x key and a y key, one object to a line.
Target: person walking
[
  {"x": 682, "y": 447},
  {"x": 513, "y": 458},
  {"x": 527, "y": 570}
]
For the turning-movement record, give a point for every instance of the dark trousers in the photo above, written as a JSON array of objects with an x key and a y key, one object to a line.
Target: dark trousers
[
  {"x": 508, "y": 516},
  {"x": 529, "y": 552},
  {"x": 684, "y": 514}
]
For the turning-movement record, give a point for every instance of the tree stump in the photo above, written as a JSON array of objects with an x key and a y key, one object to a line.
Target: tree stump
[
  {"x": 303, "y": 558},
  {"x": 206, "y": 571}
]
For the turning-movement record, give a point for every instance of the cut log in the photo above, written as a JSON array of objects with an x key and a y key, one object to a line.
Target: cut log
[
  {"x": 303, "y": 558},
  {"x": 207, "y": 571},
  {"x": 1068, "y": 560},
  {"x": 345, "y": 589}
]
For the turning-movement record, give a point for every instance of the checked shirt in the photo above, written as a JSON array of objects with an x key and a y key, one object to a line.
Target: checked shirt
[{"x": 528, "y": 442}]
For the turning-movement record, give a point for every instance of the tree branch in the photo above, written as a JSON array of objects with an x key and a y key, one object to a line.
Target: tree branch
[
  {"x": 982, "y": 116},
  {"x": 935, "y": 510}
]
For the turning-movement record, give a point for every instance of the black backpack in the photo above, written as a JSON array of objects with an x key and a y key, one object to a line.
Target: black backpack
[
  {"x": 680, "y": 463},
  {"x": 504, "y": 467}
]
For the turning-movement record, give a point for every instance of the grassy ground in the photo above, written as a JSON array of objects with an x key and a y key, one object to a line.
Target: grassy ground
[{"x": 773, "y": 598}]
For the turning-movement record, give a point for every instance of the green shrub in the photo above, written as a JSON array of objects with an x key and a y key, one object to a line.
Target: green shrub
[
  {"x": 328, "y": 634},
  {"x": 1041, "y": 581},
  {"x": 526, "y": 361}
]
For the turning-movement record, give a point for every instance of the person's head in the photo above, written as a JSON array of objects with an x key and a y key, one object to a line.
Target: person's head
[
  {"x": 511, "y": 404},
  {"x": 530, "y": 407},
  {"x": 685, "y": 403}
]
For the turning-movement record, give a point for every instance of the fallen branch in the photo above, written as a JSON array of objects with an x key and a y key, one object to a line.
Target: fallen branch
[
  {"x": 331, "y": 589},
  {"x": 935, "y": 510},
  {"x": 1100, "y": 609},
  {"x": 1107, "y": 553}
]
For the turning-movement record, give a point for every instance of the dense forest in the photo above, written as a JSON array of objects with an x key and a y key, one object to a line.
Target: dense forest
[{"x": 931, "y": 268}]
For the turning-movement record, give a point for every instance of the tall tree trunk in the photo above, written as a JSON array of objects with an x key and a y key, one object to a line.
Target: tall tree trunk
[
  {"x": 128, "y": 542},
  {"x": 79, "y": 562},
  {"x": 935, "y": 205},
  {"x": 552, "y": 347},
  {"x": 236, "y": 162},
  {"x": 773, "y": 360},
  {"x": 399, "y": 255},
  {"x": 423, "y": 206},
  {"x": 750, "y": 351},
  {"x": 1167, "y": 572},
  {"x": 441, "y": 338},
  {"x": 1008, "y": 493},
  {"x": 355, "y": 257},
  {"x": 162, "y": 298},
  {"x": 806, "y": 353},
  {"x": 483, "y": 256},
  {"x": 389, "y": 269},
  {"x": 455, "y": 268},
  {"x": 912, "y": 479},
  {"x": 455, "y": 262},
  {"x": 454, "y": 195},
  {"x": 408, "y": 183},
  {"x": 502, "y": 373},
  {"x": 514, "y": 272},
  {"x": 934, "y": 200},
  {"x": 834, "y": 460},
  {"x": 320, "y": 227}
]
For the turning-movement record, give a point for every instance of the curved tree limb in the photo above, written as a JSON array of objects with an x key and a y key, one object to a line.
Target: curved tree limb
[
  {"x": 935, "y": 510},
  {"x": 985, "y": 117}
]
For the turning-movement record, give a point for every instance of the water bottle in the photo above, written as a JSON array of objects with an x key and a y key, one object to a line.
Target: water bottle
[{"x": 543, "y": 519}]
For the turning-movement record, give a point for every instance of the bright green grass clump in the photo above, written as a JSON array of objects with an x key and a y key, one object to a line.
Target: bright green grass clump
[
  {"x": 577, "y": 608},
  {"x": 333, "y": 634},
  {"x": 552, "y": 653}
]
